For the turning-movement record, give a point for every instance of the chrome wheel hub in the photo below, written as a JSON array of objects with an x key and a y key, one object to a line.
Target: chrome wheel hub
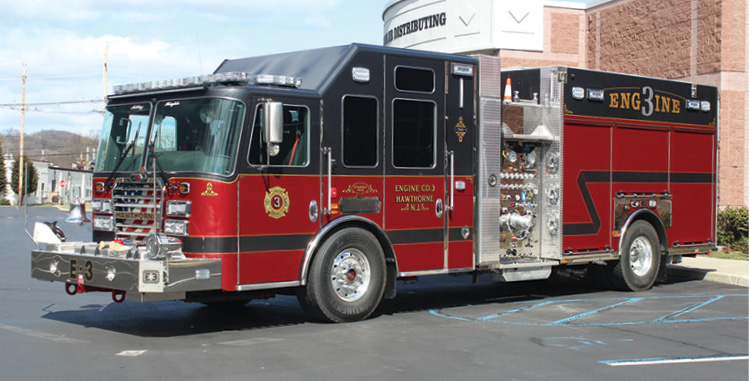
[
  {"x": 350, "y": 275},
  {"x": 640, "y": 256}
]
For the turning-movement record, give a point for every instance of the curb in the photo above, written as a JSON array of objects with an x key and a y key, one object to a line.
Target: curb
[{"x": 708, "y": 275}]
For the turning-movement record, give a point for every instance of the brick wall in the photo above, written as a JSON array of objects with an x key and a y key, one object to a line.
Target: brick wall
[
  {"x": 702, "y": 41},
  {"x": 627, "y": 33}
]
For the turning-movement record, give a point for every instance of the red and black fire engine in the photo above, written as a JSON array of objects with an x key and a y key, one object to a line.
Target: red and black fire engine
[{"x": 332, "y": 173}]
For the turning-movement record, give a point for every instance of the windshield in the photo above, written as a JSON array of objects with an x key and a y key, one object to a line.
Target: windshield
[
  {"x": 197, "y": 135},
  {"x": 124, "y": 126}
]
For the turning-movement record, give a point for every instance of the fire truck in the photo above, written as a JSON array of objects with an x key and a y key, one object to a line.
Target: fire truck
[{"x": 333, "y": 173}]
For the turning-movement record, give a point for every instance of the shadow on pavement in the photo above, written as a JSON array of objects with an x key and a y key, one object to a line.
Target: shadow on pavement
[{"x": 175, "y": 318}]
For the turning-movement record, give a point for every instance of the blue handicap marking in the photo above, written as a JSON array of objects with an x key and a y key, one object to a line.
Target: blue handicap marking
[
  {"x": 604, "y": 312},
  {"x": 574, "y": 343}
]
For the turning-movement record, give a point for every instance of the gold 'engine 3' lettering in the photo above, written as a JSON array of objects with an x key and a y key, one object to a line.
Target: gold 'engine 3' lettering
[{"x": 646, "y": 101}]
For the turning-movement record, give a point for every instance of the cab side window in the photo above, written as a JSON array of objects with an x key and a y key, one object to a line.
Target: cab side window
[
  {"x": 414, "y": 133},
  {"x": 414, "y": 80},
  {"x": 294, "y": 150},
  {"x": 360, "y": 124}
]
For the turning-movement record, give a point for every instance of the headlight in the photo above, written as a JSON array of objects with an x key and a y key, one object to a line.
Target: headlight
[
  {"x": 178, "y": 208},
  {"x": 105, "y": 223},
  {"x": 176, "y": 227},
  {"x": 101, "y": 206},
  {"x": 111, "y": 273},
  {"x": 53, "y": 267}
]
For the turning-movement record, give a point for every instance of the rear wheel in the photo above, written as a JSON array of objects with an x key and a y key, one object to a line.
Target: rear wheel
[
  {"x": 346, "y": 279},
  {"x": 639, "y": 260}
]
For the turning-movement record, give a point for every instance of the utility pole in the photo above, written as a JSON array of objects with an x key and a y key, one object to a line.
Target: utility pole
[
  {"x": 104, "y": 79},
  {"x": 20, "y": 150}
]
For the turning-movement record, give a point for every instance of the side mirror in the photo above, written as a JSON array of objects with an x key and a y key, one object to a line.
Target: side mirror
[{"x": 273, "y": 123}]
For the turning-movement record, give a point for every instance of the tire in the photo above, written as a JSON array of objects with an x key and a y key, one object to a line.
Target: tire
[
  {"x": 346, "y": 279},
  {"x": 639, "y": 260}
]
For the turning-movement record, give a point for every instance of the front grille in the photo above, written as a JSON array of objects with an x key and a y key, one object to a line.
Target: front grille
[{"x": 135, "y": 211}]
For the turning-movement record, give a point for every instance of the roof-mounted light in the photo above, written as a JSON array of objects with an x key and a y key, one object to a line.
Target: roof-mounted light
[{"x": 228, "y": 78}]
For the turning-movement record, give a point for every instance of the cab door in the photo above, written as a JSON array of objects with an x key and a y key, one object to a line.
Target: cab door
[
  {"x": 459, "y": 140},
  {"x": 275, "y": 222},
  {"x": 351, "y": 147},
  {"x": 415, "y": 163}
]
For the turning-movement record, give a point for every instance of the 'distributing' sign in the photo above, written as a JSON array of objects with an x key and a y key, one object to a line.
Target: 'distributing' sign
[{"x": 462, "y": 26}]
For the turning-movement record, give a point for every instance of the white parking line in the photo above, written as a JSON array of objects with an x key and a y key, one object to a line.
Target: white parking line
[
  {"x": 42, "y": 335},
  {"x": 248, "y": 342},
  {"x": 132, "y": 353},
  {"x": 680, "y": 360}
]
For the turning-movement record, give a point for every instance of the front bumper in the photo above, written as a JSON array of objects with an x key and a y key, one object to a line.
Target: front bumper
[{"x": 141, "y": 279}]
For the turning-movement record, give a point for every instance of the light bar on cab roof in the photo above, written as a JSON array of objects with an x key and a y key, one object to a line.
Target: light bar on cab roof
[{"x": 233, "y": 77}]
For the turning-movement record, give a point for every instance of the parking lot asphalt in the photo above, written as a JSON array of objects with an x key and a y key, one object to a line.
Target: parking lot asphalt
[{"x": 439, "y": 327}]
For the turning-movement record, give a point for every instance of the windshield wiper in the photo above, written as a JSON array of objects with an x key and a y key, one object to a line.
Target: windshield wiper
[
  {"x": 161, "y": 173},
  {"x": 122, "y": 158}
]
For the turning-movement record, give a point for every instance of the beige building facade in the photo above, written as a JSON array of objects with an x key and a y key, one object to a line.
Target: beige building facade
[{"x": 700, "y": 41}]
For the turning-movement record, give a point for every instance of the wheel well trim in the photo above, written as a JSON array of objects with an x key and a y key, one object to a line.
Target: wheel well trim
[
  {"x": 650, "y": 217},
  {"x": 338, "y": 224}
]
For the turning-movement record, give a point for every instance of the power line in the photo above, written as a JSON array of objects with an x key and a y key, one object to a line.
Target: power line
[
  {"x": 51, "y": 154},
  {"x": 53, "y": 103},
  {"x": 34, "y": 109}
]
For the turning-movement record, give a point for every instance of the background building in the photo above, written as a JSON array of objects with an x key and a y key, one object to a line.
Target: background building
[
  {"x": 55, "y": 185},
  {"x": 700, "y": 41}
]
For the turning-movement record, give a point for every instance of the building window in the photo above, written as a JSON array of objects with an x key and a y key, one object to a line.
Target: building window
[
  {"x": 415, "y": 80},
  {"x": 360, "y": 131},
  {"x": 414, "y": 131}
]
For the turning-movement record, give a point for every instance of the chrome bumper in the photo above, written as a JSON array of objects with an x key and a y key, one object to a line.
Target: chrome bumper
[{"x": 141, "y": 279}]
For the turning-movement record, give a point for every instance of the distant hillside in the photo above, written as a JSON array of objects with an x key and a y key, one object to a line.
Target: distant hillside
[{"x": 58, "y": 147}]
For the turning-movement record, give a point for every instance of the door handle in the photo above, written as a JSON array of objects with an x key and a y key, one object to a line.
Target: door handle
[
  {"x": 328, "y": 152},
  {"x": 451, "y": 204}
]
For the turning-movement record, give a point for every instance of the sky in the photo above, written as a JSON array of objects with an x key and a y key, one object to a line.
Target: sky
[{"x": 62, "y": 45}]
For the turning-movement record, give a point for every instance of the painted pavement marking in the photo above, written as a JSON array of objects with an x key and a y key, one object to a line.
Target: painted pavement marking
[
  {"x": 665, "y": 360},
  {"x": 671, "y": 317},
  {"x": 133, "y": 353},
  {"x": 42, "y": 335}
]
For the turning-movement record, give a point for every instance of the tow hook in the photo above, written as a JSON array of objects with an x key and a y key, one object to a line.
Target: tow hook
[{"x": 118, "y": 296}]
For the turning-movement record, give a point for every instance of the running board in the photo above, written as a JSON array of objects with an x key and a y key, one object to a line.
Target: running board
[{"x": 521, "y": 274}]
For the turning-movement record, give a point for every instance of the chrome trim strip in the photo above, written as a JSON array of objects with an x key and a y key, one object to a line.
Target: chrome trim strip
[
  {"x": 685, "y": 250},
  {"x": 452, "y": 180},
  {"x": 590, "y": 257},
  {"x": 419, "y": 273},
  {"x": 266, "y": 286}
]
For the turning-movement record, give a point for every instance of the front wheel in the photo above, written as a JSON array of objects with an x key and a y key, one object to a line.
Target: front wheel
[
  {"x": 639, "y": 259},
  {"x": 346, "y": 279}
]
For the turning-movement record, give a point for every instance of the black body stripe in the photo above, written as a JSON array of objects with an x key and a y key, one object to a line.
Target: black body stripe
[
  {"x": 586, "y": 177},
  {"x": 415, "y": 236},
  {"x": 456, "y": 234},
  {"x": 640, "y": 177},
  {"x": 251, "y": 243},
  {"x": 693, "y": 178},
  {"x": 300, "y": 241}
]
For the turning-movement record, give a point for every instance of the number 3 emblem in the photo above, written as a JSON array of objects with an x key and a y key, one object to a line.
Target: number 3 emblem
[{"x": 276, "y": 202}]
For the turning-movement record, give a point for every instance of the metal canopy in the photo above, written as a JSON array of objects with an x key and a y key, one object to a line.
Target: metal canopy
[
  {"x": 314, "y": 67},
  {"x": 318, "y": 68}
]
